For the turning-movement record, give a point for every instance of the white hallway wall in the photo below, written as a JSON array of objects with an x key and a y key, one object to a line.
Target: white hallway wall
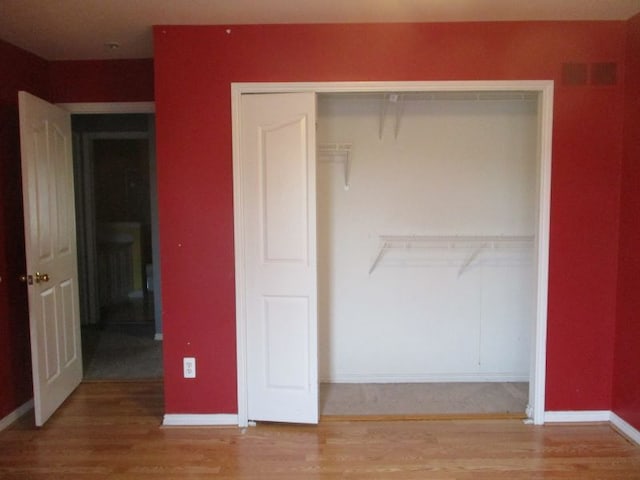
[{"x": 457, "y": 167}]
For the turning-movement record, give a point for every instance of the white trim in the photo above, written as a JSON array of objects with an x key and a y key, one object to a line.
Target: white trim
[
  {"x": 625, "y": 428},
  {"x": 16, "y": 414},
  {"x": 239, "y": 254},
  {"x": 577, "y": 416},
  {"x": 109, "y": 107},
  {"x": 158, "y": 337},
  {"x": 585, "y": 416},
  {"x": 427, "y": 378},
  {"x": 543, "y": 87},
  {"x": 537, "y": 382},
  {"x": 360, "y": 87},
  {"x": 193, "y": 420}
]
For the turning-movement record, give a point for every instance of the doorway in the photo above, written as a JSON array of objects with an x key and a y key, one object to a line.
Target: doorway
[
  {"x": 539, "y": 240},
  {"x": 426, "y": 219},
  {"x": 115, "y": 184}
]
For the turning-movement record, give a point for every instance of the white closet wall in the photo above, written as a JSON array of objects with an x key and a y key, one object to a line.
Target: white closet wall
[{"x": 425, "y": 262}]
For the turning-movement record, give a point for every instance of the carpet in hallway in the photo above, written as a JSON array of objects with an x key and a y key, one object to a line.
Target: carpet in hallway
[{"x": 121, "y": 352}]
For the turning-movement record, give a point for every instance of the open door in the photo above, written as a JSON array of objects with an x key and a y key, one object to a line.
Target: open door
[
  {"x": 277, "y": 156},
  {"x": 50, "y": 245}
]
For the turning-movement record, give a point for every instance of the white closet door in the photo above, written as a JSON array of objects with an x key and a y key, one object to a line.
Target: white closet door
[{"x": 277, "y": 157}]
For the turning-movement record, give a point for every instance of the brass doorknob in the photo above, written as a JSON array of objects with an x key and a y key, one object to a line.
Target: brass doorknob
[
  {"x": 37, "y": 278},
  {"x": 41, "y": 277}
]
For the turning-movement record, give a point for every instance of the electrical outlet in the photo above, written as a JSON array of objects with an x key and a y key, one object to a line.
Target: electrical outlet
[{"x": 189, "y": 366}]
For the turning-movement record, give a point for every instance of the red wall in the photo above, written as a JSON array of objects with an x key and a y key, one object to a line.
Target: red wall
[
  {"x": 194, "y": 67},
  {"x": 626, "y": 393},
  {"x": 102, "y": 80},
  {"x": 21, "y": 71}
]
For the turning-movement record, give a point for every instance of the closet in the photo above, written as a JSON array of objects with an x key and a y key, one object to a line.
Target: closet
[
  {"x": 389, "y": 237},
  {"x": 426, "y": 222}
]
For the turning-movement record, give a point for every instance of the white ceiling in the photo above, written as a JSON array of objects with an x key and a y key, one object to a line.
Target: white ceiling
[{"x": 79, "y": 29}]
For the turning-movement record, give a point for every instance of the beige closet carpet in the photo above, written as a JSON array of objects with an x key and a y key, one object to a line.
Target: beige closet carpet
[{"x": 355, "y": 399}]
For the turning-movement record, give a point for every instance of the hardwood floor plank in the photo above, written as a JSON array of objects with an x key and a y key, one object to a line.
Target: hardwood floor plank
[{"x": 112, "y": 431}]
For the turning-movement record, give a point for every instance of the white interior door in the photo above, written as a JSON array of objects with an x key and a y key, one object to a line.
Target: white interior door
[
  {"x": 50, "y": 244},
  {"x": 277, "y": 158}
]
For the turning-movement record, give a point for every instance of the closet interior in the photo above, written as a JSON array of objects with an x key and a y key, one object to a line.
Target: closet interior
[{"x": 426, "y": 226}]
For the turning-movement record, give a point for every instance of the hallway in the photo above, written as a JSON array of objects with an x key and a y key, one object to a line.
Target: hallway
[{"x": 123, "y": 347}]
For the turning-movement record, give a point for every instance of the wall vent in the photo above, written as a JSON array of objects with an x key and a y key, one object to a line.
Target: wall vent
[{"x": 603, "y": 73}]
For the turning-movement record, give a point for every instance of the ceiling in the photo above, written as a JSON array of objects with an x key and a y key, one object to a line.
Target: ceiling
[{"x": 81, "y": 29}]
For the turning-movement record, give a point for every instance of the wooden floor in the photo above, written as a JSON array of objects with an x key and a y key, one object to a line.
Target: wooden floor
[{"x": 112, "y": 430}]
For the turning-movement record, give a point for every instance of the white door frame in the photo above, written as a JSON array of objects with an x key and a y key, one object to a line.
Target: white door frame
[
  {"x": 537, "y": 371},
  {"x": 76, "y": 108}
]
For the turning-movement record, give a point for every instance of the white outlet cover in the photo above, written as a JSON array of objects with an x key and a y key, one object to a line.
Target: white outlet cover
[{"x": 189, "y": 367}]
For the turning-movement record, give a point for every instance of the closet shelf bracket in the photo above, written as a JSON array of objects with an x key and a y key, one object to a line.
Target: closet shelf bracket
[
  {"x": 374, "y": 264},
  {"x": 397, "y": 100},
  {"x": 337, "y": 153},
  {"x": 471, "y": 258},
  {"x": 474, "y": 244}
]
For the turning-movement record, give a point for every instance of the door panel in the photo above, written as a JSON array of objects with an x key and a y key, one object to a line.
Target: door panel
[
  {"x": 48, "y": 347},
  {"x": 63, "y": 170},
  {"x": 277, "y": 155},
  {"x": 286, "y": 324},
  {"x": 284, "y": 185},
  {"x": 50, "y": 246},
  {"x": 69, "y": 334}
]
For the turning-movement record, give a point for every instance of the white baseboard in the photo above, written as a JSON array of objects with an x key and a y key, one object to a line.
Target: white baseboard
[
  {"x": 15, "y": 415},
  {"x": 585, "y": 416},
  {"x": 425, "y": 378},
  {"x": 577, "y": 416},
  {"x": 198, "y": 420},
  {"x": 158, "y": 337},
  {"x": 625, "y": 428}
]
